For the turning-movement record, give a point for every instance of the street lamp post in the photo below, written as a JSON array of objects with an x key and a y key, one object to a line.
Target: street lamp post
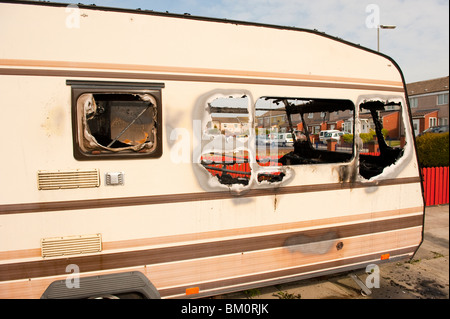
[{"x": 378, "y": 33}]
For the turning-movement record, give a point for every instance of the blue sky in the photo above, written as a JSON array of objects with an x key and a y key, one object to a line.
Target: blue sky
[{"x": 419, "y": 44}]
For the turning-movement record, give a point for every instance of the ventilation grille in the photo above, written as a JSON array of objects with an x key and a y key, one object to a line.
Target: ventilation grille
[
  {"x": 71, "y": 245},
  {"x": 68, "y": 179}
]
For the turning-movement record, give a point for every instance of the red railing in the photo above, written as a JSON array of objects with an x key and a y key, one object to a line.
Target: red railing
[
  {"x": 237, "y": 167},
  {"x": 371, "y": 153},
  {"x": 435, "y": 185}
]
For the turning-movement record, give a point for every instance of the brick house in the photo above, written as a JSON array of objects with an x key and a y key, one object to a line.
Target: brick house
[
  {"x": 391, "y": 123},
  {"x": 429, "y": 103}
]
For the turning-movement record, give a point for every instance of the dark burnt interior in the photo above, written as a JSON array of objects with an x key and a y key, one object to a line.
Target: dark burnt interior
[
  {"x": 369, "y": 165},
  {"x": 304, "y": 152},
  {"x": 129, "y": 109}
]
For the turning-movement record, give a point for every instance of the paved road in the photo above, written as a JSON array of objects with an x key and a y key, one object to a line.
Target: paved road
[{"x": 425, "y": 277}]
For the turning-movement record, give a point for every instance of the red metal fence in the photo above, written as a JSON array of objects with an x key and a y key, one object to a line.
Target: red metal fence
[{"x": 435, "y": 185}]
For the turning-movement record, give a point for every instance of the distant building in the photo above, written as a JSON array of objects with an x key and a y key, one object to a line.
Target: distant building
[
  {"x": 429, "y": 103},
  {"x": 429, "y": 107},
  {"x": 229, "y": 125}
]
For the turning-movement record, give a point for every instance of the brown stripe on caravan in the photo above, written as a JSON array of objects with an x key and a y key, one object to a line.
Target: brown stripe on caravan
[
  {"x": 194, "y": 78},
  {"x": 190, "y": 197},
  {"x": 52, "y": 267},
  {"x": 276, "y": 277},
  {"x": 189, "y": 70}
]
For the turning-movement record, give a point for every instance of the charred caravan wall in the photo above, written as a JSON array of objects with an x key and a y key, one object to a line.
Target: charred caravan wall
[{"x": 229, "y": 161}]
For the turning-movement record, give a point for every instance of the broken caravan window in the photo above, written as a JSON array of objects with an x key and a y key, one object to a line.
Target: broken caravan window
[
  {"x": 304, "y": 119},
  {"x": 116, "y": 119},
  {"x": 115, "y": 123},
  {"x": 226, "y": 155},
  {"x": 384, "y": 136}
]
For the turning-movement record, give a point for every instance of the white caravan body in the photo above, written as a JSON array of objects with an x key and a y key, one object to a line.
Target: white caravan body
[{"x": 116, "y": 144}]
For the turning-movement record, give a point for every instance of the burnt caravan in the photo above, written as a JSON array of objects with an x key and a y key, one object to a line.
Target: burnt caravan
[{"x": 140, "y": 157}]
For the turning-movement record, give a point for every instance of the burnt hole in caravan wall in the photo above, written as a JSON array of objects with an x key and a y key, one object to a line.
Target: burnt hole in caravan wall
[
  {"x": 226, "y": 155},
  {"x": 299, "y": 131},
  {"x": 382, "y": 134}
]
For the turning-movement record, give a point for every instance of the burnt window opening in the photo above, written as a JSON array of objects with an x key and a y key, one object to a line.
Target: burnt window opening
[
  {"x": 296, "y": 131},
  {"x": 384, "y": 137},
  {"x": 225, "y": 156},
  {"x": 112, "y": 120}
]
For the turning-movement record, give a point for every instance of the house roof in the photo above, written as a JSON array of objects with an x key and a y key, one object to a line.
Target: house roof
[
  {"x": 428, "y": 86},
  {"x": 273, "y": 113},
  {"x": 237, "y": 119},
  {"x": 368, "y": 115},
  {"x": 422, "y": 113}
]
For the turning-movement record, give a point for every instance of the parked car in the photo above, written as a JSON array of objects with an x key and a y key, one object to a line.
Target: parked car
[
  {"x": 280, "y": 139},
  {"x": 272, "y": 139},
  {"x": 285, "y": 139},
  {"x": 335, "y": 136},
  {"x": 323, "y": 135},
  {"x": 262, "y": 139},
  {"x": 435, "y": 129}
]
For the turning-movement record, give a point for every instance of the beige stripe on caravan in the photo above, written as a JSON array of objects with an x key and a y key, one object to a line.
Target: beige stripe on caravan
[
  {"x": 214, "y": 235},
  {"x": 189, "y": 70}
]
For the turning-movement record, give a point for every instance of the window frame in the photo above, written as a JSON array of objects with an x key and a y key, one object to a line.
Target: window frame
[
  {"x": 432, "y": 121},
  {"x": 413, "y": 102},
  {"x": 78, "y": 88},
  {"x": 443, "y": 96}
]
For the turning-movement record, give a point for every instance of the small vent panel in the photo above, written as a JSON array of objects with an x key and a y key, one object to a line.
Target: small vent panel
[
  {"x": 68, "y": 179},
  {"x": 71, "y": 245}
]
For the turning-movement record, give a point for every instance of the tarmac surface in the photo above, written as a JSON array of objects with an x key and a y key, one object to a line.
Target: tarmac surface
[{"x": 426, "y": 276}]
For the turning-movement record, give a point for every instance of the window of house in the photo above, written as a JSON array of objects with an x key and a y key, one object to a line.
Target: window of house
[
  {"x": 413, "y": 102},
  {"x": 432, "y": 121},
  {"x": 442, "y": 99},
  {"x": 348, "y": 126},
  {"x": 116, "y": 119}
]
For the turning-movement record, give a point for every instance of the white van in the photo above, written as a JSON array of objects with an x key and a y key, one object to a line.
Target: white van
[
  {"x": 325, "y": 134},
  {"x": 285, "y": 139},
  {"x": 280, "y": 139}
]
